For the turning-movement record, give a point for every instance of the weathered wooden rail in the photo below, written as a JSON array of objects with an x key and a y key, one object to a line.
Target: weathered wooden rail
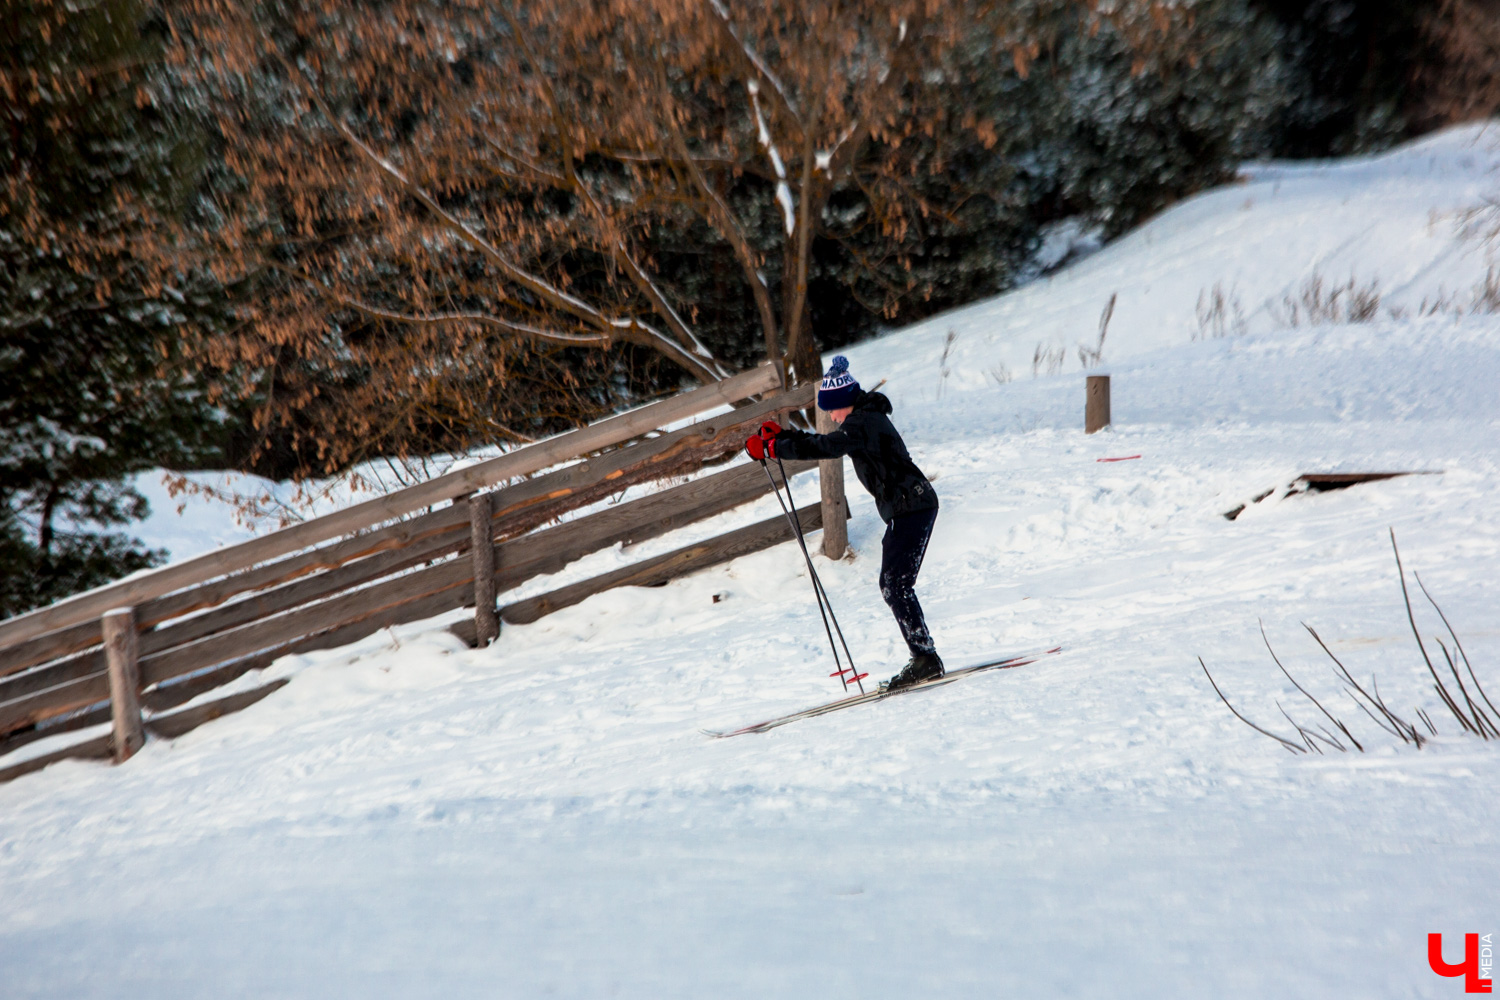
[{"x": 161, "y": 639}]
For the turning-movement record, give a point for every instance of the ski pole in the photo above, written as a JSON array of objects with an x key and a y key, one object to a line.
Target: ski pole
[
  {"x": 817, "y": 580},
  {"x": 818, "y": 593}
]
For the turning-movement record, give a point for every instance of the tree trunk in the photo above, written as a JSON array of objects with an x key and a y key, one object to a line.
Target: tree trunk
[
  {"x": 804, "y": 364},
  {"x": 46, "y": 532}
]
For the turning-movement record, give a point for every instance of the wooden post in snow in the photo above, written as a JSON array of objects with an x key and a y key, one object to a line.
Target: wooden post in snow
[
  {"x": 835, "y": 507},
  {"x": 486, "y": 621},
  {"x": 120, "y": 654},
  {"x": 1096, "y": 406}
]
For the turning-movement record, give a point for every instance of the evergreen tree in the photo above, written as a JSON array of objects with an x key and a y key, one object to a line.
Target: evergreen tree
[
  {"x": 99, "y": 159},
  {"x": 1356, "y": 67}
]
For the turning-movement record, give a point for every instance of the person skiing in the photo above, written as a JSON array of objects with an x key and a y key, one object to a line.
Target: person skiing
[{"x": 903, "y": 496}]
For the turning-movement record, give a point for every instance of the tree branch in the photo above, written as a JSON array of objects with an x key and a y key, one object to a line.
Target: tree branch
[
  {"x": 723, "y": 220},
  {"x": 794, "y": 324},
  {"x": 519, "y": 329},
  {"x": 540, "y": 171},
  {"x": 612, "y": 235},
  {"x": 756, "y": 64},
  {"x": 693, "y": 361},
  {"x": 699, "y": 160},
  {"x": 903, "y": 48}
]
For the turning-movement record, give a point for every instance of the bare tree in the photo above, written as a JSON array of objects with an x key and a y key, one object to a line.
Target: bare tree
[{"x": 448, "y": 192}]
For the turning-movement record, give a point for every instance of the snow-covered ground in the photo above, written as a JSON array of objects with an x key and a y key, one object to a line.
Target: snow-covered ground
[{"x": 544, "y": 818}]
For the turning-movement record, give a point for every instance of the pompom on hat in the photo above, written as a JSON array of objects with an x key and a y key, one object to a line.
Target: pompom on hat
[{"x": 838, "y": 389}]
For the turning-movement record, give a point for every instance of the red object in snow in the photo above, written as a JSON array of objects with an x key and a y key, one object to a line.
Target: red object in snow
[{"x": 1125, "y": 459}]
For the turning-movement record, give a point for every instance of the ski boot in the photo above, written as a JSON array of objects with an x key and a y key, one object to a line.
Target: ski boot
[{"x": 923, "y": 667}]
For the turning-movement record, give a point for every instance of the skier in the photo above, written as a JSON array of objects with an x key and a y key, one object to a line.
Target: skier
[{"x": 903, "y": 496}]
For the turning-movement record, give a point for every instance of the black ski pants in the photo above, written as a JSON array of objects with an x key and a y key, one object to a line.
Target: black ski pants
[{"x": 901, "y": 553}]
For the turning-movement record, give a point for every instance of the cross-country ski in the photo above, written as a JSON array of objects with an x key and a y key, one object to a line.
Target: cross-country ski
[{"x": 880, "y": 694}]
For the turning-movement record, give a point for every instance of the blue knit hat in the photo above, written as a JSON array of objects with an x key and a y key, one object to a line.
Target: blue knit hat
[{"x": 839, "y": 388}]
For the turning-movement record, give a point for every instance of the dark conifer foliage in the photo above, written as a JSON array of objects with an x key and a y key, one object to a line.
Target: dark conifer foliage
[
  {"x": 95, "y": 154},
  {"x": 1096, "y": 135},
  {"x": 1356, "y": 74}
]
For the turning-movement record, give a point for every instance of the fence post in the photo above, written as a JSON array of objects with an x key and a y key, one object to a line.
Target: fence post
[
  {"x": 486, "y": 621},
  {"x": 120, "y": 655},
  {"x": 835, "y": 508},
  {"x": 1096, "y": 406}
]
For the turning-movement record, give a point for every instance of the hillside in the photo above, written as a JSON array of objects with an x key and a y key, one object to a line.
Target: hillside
[{"x": 545, "y": 818}]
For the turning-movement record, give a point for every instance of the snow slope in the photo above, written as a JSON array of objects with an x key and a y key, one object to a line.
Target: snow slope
[
  {"x": 1390, "y": 220},
  {"x": 544, "y": 818}
]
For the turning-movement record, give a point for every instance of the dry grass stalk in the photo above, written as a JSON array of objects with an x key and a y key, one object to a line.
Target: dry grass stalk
[
  {"x": 1317, "y": 303},
  {"x": 1092, "y": 357},
  {"x": 1475, "y": 712},
  {"x": 1220, "y": 314},
  {"x": 1047, "y": 360}
]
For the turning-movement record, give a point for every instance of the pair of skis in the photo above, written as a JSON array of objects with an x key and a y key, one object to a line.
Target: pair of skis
[{"x": 1018, "y": 660}]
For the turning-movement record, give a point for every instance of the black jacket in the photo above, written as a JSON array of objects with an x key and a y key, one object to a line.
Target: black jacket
[{"x": 879, "y": 455}]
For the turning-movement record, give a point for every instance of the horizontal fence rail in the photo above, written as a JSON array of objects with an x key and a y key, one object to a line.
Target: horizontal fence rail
[
  {"x": 206, "y": 621},
  {"x": 520, "y": 462},
  {"x": 663, "y": 568}
]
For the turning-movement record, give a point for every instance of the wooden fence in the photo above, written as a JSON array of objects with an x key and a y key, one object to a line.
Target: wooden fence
[{"x": 153, "y": 642}]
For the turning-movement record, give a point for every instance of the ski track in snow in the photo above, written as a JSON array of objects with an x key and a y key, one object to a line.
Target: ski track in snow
[{"x": 544, "y": 818}]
